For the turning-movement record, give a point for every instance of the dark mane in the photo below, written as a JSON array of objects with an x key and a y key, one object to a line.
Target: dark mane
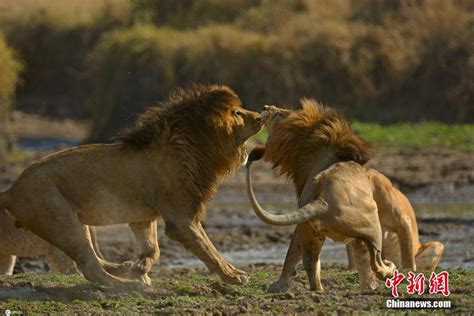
[
  {"x": 196, "y": 126},
  {"x": 195, "y": 103}
]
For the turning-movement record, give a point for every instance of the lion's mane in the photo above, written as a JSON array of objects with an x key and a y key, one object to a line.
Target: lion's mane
[
  {"x": 311, "y": 130},
  {"x": 193, "y": 124}
]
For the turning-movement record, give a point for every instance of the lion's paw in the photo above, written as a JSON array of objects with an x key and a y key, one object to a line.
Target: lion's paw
[
  {"x": 279, "y": 287},
  {"x": 236, "y": 278},
  {"x": 145, "y": 279},
  {"x": 390, "y": 265}
]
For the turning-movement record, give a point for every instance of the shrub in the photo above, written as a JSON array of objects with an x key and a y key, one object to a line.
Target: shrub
[
  {"x": 9, "y": 70},
  {"x": 133, "y": 68},
  {"x": 53, "y": 39}
]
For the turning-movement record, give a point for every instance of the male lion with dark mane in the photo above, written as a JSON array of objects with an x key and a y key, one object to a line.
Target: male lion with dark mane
[
  {"x": 167, "y": 165},
  {"x": 317, "y": 149}
]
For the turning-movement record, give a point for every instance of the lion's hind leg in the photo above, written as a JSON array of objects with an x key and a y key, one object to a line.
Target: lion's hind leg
[
  {"x": 367, "y": 280},
  {"x": 53, "y": 219},
  {"x": 382, "y": 268},
  {"x": 116, "y": 269},
  {"x": 7, "y": 264},
  {"x": 311, "y": 243}
]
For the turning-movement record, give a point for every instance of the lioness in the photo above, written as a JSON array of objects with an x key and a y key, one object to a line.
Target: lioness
[
  {"x": 167, "y": 165},
  {"x": 401, "y": 242},
  {"x": 316, "y": 148}
]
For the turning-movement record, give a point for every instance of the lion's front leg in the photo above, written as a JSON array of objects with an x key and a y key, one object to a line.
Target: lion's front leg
[
  {"x": 147, "y": 237},
  {"x": 293, "y": 257},
  {"x": 193, "y": 237}
]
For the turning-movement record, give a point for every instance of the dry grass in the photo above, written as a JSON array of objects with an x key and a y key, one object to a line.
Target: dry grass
[{"x": 382, "y": 60}]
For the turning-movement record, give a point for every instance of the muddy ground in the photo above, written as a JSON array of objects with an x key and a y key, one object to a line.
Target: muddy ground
[
  {"x": 441, "y": 186},
  {"x": 440, "y": 183},
  {"x": 184, "y": 291}
]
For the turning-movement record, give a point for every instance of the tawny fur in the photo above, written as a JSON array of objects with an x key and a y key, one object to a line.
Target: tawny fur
[
  {"x": 166, "y": 166},
  {"x": 401, "y": 243},
  {"x": 317, "y": 150},
  {"x": 194, "y": 122},
  {"x": 17, "y": 242},
  {"x": 306, "y": 132}
]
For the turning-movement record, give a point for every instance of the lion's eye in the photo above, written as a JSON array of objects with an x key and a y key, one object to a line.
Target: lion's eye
[{"x": 236, "y": 112}]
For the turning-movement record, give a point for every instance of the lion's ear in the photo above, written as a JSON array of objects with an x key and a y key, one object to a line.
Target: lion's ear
[{"x": 256, "y": 154}]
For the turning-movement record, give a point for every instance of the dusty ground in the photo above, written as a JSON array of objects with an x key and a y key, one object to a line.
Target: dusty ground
[{"x": 441, "y": 177}]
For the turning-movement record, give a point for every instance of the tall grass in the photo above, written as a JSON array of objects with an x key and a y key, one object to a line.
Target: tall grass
[
  {"x": 408, "y": 135},
  {"x": 379, "y": 60}
]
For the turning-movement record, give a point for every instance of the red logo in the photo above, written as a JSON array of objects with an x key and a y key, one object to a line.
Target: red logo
[
  {"x": 416, "y": 284},
  {"x": 394, "y": 282},
  {"x": 438, "y": 283}
]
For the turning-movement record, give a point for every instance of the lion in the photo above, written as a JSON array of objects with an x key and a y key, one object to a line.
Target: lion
[
  {"x": 16, "y": 242},
  {"x": 401, "y": 242},
  {"x": 166, "y": 166},
  {"x": 317, "y": 150}
]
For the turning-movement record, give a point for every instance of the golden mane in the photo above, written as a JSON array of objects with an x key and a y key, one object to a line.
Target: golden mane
[
  {"x": 311, "y": 130},
  {"x": 195, "y": 126}
]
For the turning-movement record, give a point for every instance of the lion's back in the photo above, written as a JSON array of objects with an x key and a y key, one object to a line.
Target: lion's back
[{"x": 346, "y": 184}]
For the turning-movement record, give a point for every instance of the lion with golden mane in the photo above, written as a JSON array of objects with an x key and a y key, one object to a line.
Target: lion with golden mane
[
  {"x": 166, "y": 166},
  {"x": 318, "y": 151}
]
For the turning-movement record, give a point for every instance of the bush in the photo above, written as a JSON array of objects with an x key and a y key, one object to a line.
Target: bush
[
  {"x": 9, "y": 70},
  {"x": 133, "y": 68},
  {"x": 411, "y": 62},
  {"x": 53, "y": 39},
  {"x": 379, "y": 60}
]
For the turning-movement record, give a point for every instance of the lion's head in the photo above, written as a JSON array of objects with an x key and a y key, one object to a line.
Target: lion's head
[
  {"x": 202, "y": 126},
  {"x": 296, "y": 138}
]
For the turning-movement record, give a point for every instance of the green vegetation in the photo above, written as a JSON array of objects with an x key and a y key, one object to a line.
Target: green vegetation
[
  {"x": 204, "y": 293},
  {"x": 418, "y": 135},
  {"x": 52, "y": 39},
  {"x": 411, "y": 135},
  {"x": 10, "y": 68},
  {"x": 380, "y": 60}
]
